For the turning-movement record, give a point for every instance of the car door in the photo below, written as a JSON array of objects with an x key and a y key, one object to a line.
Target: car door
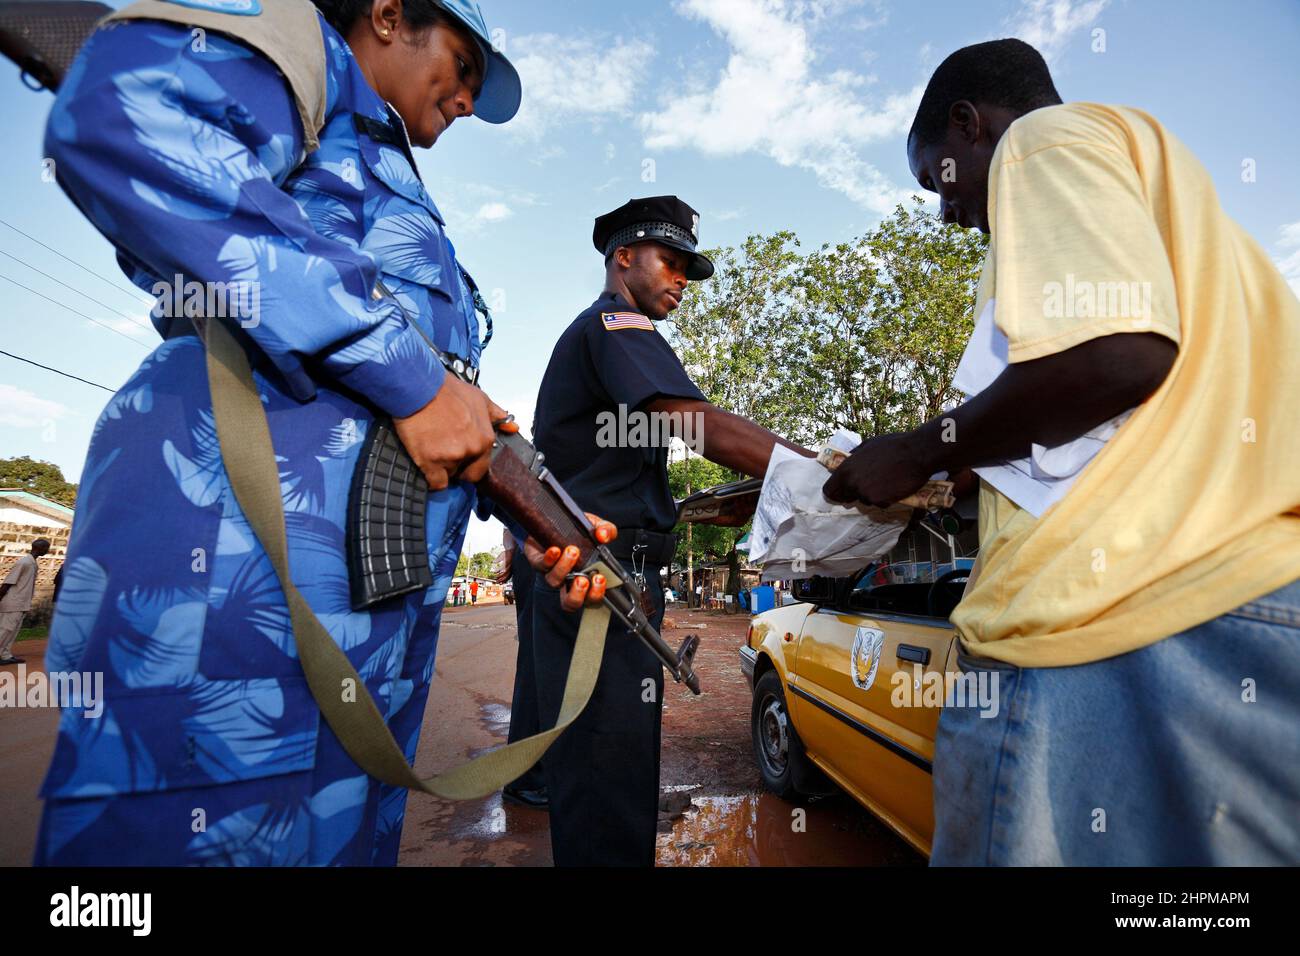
[{"x": 860, "y": 703}]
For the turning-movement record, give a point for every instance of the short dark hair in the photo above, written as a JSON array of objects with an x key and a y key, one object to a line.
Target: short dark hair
[
  {"x": 342, "y": 14},
  {"x": 43, "y": 544},
  {"x": 1008, "y": 73}
]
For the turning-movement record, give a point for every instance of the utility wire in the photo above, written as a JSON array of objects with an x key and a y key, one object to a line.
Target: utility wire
[
  {"x": 75, "y": 378},
  {"x": 125, "y": 315},
  {"x": 134, "y": 293},
  {"x": 76, "y": 312}
]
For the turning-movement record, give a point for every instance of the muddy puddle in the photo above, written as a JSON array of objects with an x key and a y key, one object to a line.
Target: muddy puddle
[{"x": 760, "y": 829}]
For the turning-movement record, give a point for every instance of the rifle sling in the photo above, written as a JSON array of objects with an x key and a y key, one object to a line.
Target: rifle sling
[{"x": 245, "y": 438}]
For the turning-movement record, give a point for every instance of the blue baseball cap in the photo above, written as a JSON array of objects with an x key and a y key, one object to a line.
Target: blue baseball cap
[{"x": 498, "y": 101}]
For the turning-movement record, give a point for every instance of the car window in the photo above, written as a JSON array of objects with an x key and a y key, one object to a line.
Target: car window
[{"x": 906, "y": 588}]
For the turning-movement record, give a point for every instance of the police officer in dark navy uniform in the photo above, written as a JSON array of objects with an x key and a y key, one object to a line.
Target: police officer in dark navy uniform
[{"x": 609, "y": 367}]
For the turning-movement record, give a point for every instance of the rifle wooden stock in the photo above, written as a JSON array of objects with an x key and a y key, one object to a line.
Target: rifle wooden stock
[{"x": 527, "y": 492}]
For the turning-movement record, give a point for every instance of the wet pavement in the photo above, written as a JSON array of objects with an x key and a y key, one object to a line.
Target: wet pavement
[
  {"x": 714, "y": 809},
  {"x": 27, "y": 736}
]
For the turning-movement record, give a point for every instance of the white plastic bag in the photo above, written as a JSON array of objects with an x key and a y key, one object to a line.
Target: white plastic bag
[{"x": 798, "y": 532}]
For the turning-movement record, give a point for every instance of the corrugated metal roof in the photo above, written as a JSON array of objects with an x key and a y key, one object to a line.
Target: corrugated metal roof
[{"x": 15, "y": 494}]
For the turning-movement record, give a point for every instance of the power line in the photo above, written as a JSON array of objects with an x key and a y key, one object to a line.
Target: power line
[
  {"x": 134, "y": 293},
  {"x": 129, "y": 318},
  {"x": 76, "y": 312},
  {"x": 47, "y": 368}
]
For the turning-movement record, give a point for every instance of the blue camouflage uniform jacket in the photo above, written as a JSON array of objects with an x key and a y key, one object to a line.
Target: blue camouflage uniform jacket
[{"x": 210, "y": 748}]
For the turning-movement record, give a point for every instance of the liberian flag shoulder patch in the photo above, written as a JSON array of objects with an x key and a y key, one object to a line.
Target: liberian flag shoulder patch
[{"x": 615, "y": 321}]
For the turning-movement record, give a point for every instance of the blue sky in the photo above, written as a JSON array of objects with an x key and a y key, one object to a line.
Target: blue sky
[{"x": 763, "y": 114}]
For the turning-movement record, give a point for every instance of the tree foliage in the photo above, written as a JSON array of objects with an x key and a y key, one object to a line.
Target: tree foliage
[
  {"x": 865, "y": 334},
  {"x": 707, "y": 542},
  {"x": 726, "y": 329},
  {"x": 480, "y": 565},
  {"x": 40, "y": 477}
]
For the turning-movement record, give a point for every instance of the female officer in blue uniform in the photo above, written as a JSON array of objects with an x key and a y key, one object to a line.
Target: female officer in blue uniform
[{"x": 191, "y": 152}]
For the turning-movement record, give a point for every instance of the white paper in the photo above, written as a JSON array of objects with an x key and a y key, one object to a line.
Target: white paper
[
  {"x": 798, "y": 532},
  {"x": 1041, "y": 480}
]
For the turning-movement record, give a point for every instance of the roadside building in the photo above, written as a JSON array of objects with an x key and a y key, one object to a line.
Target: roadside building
[{"x": 24, "y": 517}]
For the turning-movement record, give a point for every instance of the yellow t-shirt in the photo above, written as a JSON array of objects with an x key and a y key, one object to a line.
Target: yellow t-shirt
[{"x": 1102, "y": 222}]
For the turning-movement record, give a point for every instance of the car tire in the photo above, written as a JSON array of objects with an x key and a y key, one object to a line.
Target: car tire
[{"x": 778, "y": 751}]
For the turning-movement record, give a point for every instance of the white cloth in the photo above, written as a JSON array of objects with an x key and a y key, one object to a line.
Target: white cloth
[
  {"x": 11, "y": 623},
  {"x": 22, "y": 585},
  {"x": 1041, "y": 480}
]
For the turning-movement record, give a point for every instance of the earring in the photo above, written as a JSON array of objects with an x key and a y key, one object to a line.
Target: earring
[{"x": 385, "y": 33}]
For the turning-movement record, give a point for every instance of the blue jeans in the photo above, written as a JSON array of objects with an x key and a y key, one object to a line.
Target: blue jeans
[{"x": 1183, "y": 753}]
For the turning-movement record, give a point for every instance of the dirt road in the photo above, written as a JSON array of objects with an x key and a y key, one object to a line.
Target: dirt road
[{"x": 721, "y": 815}]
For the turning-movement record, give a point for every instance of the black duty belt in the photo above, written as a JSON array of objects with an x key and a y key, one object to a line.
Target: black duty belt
[{"x": 654, "y": 547}]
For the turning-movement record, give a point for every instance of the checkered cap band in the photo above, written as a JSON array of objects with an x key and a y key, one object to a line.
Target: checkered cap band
[{"x": 648, "y": 230}]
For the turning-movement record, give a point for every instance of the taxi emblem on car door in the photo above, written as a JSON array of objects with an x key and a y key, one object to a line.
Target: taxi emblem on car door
[{"x": 867, "y": 645}]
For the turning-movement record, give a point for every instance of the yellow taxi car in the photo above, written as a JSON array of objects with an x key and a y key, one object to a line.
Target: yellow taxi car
[{"x": 850, "y": 682}]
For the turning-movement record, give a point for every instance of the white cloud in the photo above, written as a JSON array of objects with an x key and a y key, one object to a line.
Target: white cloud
[
  {"x": 772, "y": 98},
  {"x": 1048, "y": 25},
  {"x": 140, "y": 327},
  {"x": 878, "y": 17},
  {"x": 493, "y": 212},
  {"x": 569, "y": 78},
  {"x": 20, "y": 408},
  {"x": 469, "y": 207},
  {"x": 1289, "y": 264}
]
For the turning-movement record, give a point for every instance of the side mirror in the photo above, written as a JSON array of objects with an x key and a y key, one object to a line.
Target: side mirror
[{"x": 816, "y": 590}]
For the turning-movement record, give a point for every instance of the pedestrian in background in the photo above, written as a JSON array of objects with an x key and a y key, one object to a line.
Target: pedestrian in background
[{"x": 16, "y": 598}]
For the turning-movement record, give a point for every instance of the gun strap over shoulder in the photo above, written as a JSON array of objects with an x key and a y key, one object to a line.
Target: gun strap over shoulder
[
  {"x": 286, "y": 32},
  {"x": 348, "y": 708}
]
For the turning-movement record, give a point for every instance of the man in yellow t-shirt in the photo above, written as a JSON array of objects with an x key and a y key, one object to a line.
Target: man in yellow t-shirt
[{"x": 1137, "y": 595}]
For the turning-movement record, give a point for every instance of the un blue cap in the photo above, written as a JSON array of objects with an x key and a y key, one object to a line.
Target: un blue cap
[{"x": 498, "y": 101}]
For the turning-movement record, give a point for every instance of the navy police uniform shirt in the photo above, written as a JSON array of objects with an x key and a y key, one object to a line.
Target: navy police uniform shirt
[{"x": 611, "y": 356}]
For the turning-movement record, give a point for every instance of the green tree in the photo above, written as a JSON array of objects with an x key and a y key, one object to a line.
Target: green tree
[
  {"x": 884, "y": 320},
  {"x": 865, "y": 334},
  {"x": 40, "y": 477},
  {"x": 701, "y": 542},
  {"x": 480, "y": 565},
  {"x": 730, "y": 331},
  {"x": 462, "y": 566}
]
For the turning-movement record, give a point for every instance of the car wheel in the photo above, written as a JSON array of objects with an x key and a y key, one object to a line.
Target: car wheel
[{"x": 777, "y": 748}]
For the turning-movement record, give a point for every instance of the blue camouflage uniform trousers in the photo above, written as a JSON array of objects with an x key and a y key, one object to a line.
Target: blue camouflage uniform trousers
[{"x": 210, "y": 748}]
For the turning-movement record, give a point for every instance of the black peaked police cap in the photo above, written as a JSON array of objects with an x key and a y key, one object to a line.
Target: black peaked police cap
[{"x": 662, "y": 219}]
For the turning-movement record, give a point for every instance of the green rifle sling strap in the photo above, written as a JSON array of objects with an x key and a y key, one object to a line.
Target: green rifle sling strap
[{"x": 348, "y": 708}]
